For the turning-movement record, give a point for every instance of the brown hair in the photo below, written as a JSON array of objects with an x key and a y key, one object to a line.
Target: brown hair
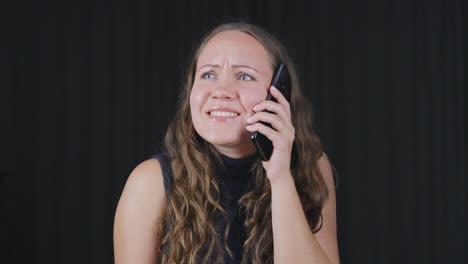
[{"x": 189, "y": 233}]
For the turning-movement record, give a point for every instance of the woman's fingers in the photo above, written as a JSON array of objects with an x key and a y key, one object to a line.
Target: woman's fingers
[
  {"x": 280, "y": 97},
  {"x": 281, "y": 139},
  {"x": 278, "y": 114},
  {"x": 281, "y": 108},
  {"x": 269, "y": 132},
  {"x": 276, "y": 122}
]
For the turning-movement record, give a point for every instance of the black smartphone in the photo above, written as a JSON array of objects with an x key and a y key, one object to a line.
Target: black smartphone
[{"x": 282, "y": 81}]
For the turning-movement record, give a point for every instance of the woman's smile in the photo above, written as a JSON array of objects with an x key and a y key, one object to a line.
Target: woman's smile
[{"x": 222, "y": 114}]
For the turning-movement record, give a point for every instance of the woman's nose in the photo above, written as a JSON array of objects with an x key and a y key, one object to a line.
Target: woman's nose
[{"x": 224, "y": 89}]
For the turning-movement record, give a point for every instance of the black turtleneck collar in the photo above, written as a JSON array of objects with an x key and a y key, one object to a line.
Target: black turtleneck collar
[
  {"x": 241, "y": 164},
  {"x": 235, "y": 177}
]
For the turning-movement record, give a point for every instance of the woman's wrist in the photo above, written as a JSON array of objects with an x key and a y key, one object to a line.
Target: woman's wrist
[{"x": 283, "y": 181}]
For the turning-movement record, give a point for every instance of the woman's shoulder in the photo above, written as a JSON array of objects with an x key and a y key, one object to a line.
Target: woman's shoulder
[
  {"x": 152, "y": 171},
  {"x": 145, "y": 183},
  {"x": 139, "y": 213},
  {"x": 148, "y": 172},
  {"x": 166, "y": 170}
]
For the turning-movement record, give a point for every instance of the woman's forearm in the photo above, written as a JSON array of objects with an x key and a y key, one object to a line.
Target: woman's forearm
[{"x": 293, "y": 240}]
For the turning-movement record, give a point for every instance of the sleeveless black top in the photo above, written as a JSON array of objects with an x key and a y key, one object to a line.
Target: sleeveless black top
[{"x": 234, "y": 180}]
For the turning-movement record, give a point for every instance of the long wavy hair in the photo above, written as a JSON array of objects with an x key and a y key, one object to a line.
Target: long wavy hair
[{"x": 194, "y": 207}]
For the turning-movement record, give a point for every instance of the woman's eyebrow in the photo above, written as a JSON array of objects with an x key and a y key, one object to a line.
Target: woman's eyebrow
[
  {"x": 234, "y": 66},
  {"x": 244, "y": 66}
]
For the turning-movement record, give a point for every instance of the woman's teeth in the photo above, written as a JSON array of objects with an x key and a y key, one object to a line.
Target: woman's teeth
[{"x": 223, "y": 114}]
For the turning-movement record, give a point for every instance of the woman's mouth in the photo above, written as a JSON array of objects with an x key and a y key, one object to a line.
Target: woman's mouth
[{"x": 223, "y": 114}]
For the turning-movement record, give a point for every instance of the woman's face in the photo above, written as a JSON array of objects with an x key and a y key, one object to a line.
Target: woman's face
[{"x": 233, "y": 74}]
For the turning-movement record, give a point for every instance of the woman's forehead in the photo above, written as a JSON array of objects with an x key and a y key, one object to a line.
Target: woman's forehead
[{"x": 237, "y": 47}]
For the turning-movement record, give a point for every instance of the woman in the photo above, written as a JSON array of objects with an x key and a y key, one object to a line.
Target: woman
[{"x": 210, "y": 198}]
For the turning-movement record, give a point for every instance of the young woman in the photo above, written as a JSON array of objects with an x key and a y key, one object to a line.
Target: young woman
[{"x": 209, "y": 198}]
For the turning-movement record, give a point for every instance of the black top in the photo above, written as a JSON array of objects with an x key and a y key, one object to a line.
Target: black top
[{"x": 234, "y": 181}]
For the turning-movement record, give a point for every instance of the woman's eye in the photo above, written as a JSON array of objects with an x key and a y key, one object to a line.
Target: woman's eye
[
  {"x": 245, "y": 77},
  {"x": 208, "y": 75}
]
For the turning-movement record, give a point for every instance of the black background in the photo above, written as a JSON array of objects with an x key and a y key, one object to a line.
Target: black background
[{"x": 90, "y": 86}]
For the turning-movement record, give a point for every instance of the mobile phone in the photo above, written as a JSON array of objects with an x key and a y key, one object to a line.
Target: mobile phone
[{"x": 282, "y": 81}]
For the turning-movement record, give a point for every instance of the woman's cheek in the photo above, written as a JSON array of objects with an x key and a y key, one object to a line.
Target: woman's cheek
[
  {"x": 195, "y": 106},
  {"x": 253, "y": 99},
  {"x": 196, "y": 96},
  {"x": 193, "y": 103}
]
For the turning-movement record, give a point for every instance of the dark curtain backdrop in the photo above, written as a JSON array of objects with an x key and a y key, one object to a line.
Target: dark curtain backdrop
[{"x": 90, "y": 86}]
